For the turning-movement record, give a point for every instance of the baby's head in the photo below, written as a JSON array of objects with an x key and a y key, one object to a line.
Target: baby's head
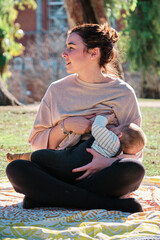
[{"x": 132, "y": 138}]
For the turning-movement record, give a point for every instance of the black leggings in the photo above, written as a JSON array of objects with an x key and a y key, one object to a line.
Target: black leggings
[{"x": 48, "y": 180}]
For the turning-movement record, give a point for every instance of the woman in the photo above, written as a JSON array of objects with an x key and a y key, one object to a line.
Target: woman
[{"x": 64, "y": 121}]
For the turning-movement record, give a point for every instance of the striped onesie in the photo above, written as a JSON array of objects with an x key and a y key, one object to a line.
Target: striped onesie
[{"x": 106, "y": 142}]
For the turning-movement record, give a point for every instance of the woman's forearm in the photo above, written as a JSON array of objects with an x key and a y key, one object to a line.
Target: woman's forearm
[
  {"x": 56, "y": 136},
  {"x": 77, "y": 125}
]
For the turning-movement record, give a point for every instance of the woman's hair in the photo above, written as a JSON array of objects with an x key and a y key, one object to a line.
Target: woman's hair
[
  {"x": 133, "y": 137},
  {"x": 101, "y": 36}
]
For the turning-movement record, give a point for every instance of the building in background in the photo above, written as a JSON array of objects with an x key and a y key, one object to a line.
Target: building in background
[
  {"x": 44, "y": 39},
  {"x": 49, "y": 16}
]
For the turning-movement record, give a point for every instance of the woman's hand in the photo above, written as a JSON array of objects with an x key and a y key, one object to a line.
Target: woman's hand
[
  {"x": 98, "y": 163},
  {"x": 111, "y": 118},
  {"x": 79, "y": 125}
]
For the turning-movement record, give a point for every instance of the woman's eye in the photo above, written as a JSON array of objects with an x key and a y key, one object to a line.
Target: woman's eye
[{"x": 70, "y": 48}]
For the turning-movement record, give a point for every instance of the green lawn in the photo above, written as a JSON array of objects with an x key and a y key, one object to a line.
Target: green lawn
[
  {"x": 15, "y": 127},
  {"x": 16, "y": 124},
  {"x": 151, "y": 127}
]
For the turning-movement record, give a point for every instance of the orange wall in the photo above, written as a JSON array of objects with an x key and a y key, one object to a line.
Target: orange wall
[{"x": 27, "y": 19}]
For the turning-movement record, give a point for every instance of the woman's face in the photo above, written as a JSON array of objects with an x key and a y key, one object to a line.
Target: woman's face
[{"x": 76, "y": 57}]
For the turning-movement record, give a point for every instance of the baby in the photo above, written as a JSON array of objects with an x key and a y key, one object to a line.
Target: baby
[{"x": 128, "y": 139}]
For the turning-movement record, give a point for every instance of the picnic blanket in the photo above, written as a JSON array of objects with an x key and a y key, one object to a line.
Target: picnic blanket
[{"x": 60, "y": 223}]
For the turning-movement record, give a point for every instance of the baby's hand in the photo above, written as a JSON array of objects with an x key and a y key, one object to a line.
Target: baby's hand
[{"x": 111, "y": 118}]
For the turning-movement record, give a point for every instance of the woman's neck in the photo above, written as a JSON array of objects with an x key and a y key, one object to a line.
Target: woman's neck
[{"x": 93, "y": 77}]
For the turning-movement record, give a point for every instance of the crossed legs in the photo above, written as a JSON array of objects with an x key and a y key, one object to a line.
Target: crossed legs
[
  {"x": 45, "y": 186},
  {"x": 43, "y": 190}
]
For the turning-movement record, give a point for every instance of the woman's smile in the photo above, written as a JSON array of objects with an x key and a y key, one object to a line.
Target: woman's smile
[{"x": 67, "y": 63}]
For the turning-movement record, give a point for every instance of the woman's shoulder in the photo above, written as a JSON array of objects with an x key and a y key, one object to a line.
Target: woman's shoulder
[
  {"x": 63, "y": 81},
  {"x": 124, "y": 85}
]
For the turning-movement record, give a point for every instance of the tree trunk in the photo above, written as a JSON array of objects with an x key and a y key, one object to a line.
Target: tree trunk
[
  {"x": 91, "y": 11},
  {"x": 6, "y": 98},
  {"x": 74, "y": 12},
  {"x": 80, "y": 11},
  {"x": 99, "y": 11}
]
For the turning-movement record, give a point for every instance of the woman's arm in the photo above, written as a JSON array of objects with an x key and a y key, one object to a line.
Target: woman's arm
[
  {"x": 47, "y": 133},
  {"x": 78, "y": 125},
  {"x": 56, "y": 136}
]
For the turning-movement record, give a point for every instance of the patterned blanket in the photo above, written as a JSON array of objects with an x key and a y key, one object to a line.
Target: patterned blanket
[{"x": 60, "y": 223}]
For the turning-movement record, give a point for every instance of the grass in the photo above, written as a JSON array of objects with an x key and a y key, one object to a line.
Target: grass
[
  {"x": 151, "y": 127},
  {"x": 16, "y": 124}
]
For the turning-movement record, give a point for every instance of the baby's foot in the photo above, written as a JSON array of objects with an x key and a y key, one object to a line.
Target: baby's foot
[
  {"x": 10, "y": 157},
  {"x": 23, "y": 156}
]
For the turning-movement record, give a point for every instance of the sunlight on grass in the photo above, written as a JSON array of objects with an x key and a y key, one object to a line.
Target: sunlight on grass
[
  {"x": 15, "y": 127},
  {"x": 151, "y": 127}
]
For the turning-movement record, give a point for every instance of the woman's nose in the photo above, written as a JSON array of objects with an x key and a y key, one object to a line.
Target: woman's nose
[{"x": 64, "y": 54}]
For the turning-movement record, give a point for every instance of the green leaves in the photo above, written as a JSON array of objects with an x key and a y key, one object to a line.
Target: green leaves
[
  {"x": 140, "y": 39},
  {"x": 115, "y": 8},
  {"x": 21, "y": 4},
  {"x": 144, "y": 31},
  {"x": 3, "y": 61},
  {"x": 10, "y": 31}
]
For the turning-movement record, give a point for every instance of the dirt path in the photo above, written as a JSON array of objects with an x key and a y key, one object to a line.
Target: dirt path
[{"x": 149, "y": 103}]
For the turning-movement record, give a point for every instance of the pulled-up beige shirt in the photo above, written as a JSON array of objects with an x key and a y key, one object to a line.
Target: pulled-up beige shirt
[{"x": 72, "y": 97}]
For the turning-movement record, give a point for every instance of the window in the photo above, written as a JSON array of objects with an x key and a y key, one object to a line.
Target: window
[{"x": 57, "y": 18}]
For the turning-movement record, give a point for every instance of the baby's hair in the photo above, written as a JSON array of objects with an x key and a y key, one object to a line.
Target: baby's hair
[
  {"x": 132, "y": 136},
  {"x": 101, "y": 36}
]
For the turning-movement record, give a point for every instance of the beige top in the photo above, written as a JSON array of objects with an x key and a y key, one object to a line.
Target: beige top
[{"x": 72, "y": 97}]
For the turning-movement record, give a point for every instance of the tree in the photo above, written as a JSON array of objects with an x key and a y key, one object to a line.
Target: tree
[
  {"x": 9, "y": 32},
  {"x": 92, "y": 11},
  {"x": 143, "y": 34},
  {"x": 140, "y": 40}
]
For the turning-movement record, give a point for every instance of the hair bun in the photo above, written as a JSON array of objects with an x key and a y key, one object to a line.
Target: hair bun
[{"x": 110, "y": 33}]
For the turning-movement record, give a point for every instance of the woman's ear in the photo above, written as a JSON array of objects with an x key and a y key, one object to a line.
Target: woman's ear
[{"x": 95, "y": 52}]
